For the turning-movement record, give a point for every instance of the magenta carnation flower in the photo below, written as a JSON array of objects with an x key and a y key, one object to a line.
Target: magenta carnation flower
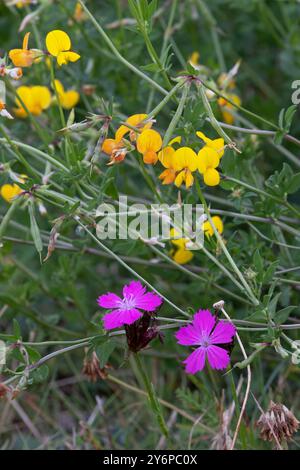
[
  {"x": 206, "y": 332},
  {"x": 127, "y": 310}
]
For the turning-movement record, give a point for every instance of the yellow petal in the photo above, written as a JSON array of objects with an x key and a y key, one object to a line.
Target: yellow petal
[
  {"x": 57, "y": 41},
  {"x": 167, "y": 176},
  {"x": 41, "y": 96},
  {"x": 166, "y": 155},
  {"x": 176, "y": 140},
  {"x": 185, "y": 157},
  {"x": 179, "y": 179},
  {"x": 211, "y": 177},
  {"x": 134, "y": 121},
  {"x": 22, "y": 57},
  {"x": 182, "y": 256},
  {"x": 217, "y": 221},
  {"x": 180, "y": 242},
  {"x": 189, "y": 179},
  {"x": 58, "y": 86},
  {"x": 10, "y": 191},
  {"x": 64, "y": 57},
  {"x": 216, "y": 144},
  {"x": 25, "y": 41},
  {"x": 109, "y": 145},
  {"x": 149, "y": 140},
  {"x": 69, "y": 99},
  {"x": 207, "y": 158}
]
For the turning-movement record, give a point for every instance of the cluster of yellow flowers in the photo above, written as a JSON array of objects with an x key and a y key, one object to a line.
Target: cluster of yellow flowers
[
  {"x": 179, "y": 164},
  {"x": 35, "y": 99}
]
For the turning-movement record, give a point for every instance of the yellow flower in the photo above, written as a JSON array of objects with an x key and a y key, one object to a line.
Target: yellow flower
[
  {"x": 166, "y": 157},
  {"x": 24, "y": 57},
  {"x": 68, "y": 99},
  {"x": 116, "y": 150},
  {"x": 23, "y": 3},
  {"x": 79, "y": 14},
  {"x": 207, "y": 163},
  {"x": 59, "y": 44},
  {"x": 148, "y": 143},
  {"x": 185, "y": 162},
  {"x": 216, "y": 144},
  {"x": 207, "y": 227},
  {"x": 35, "y": 98},
  {"x": 135, "y": 121},
  {"x": 181, "y": 255},
  {"x": 227, "y": 116},
  {"x": 194, "y": 59},
  {"x": 10, "y": 191}
]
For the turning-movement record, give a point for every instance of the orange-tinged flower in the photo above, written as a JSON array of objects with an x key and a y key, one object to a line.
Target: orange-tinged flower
[
  {"x": 136, "y": 120},
  {"x": 35, "y": 98},
  {"x": 116, "y": 150},
  {"x": 185, "y": 162},
  {"x": 166, "y": 157},
  {"x": 208, "y": 160},
  {"x": 216, "y": 144},
  {"x": 148, "y": 143},
  {"x": 58, "y": 44},
  {"x": 223, "y": 103},
  {"x": 208, "y": 229},
  {"x": 68, "y": 99},
  {"x": 79, "y": 14},
  {"x": 24, "y": 57}
]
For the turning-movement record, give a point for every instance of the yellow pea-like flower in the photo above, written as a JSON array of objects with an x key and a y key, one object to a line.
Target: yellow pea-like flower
[
  {"x": 10, "y": 191},
  {"x": 135, "y": 120},
  {"x": 59, "y": 44},
  {"x": 207, "y": 227},
  {"x": 36, "y": 99},
  {"x": 68, "y": 99},
  {"x": 216, "y": 144},
  {"x": 148, "y": 143},
  {"x": 180, "y": 255},
  {"x": 208, "y": 160},
  {"x": 24, "y": 57},
  {"x": 185, "y": 163}
]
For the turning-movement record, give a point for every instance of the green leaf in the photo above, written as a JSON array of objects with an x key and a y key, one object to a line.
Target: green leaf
[
  {"x": 35, "y": 231},
  {"x": 294, "y": 184},
  {"x": 40, "y": 375},
  {"x": 16, "y": 329},
  {"x": 282, "y": 315},
  {"x": 104, "y": 351}
]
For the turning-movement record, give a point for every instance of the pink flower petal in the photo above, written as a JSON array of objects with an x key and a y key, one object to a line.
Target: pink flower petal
[
  {"x": 149, "y": 302},
  {"x": 195, "y": 362},
  {"x": 218, "y": 358},
  {"x": 134, "y": 289},
  {"x": 204, "y": 322},
  {"x": 109, "y": 300},
  {"x": 188, "y": 336},
  {"x": 223, "y": 333},
  {"x": 118, "y": 318}
]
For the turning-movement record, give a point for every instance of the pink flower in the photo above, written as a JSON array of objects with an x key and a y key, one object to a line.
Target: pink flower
[
  {"x": 127, "y": 310},
  {"x": 205, "y": 332}
]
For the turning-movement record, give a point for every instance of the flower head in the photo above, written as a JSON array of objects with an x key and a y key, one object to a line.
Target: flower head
[
  {"x": 211, "y": 337},
  {"x": 208, "y": 229},
  {"x": 91, "y": 368},
  {"x": 24, "y": 57},
  {"x": 35, "y": 98},
  {"x": 128, "y": 309},
  {"x": 208, "y": 160},
  {"x": 180, "y": 255},
  {"x": 68, "y": 99},
  {"x": 185, "y": 162},
  {"x": 277, "y": 424},
  {"x": 148, "y": 143},
  {"x": 116, "y": 150},
  {"x": 59, "y": 44},
  {"x": 140, "y": 333}
]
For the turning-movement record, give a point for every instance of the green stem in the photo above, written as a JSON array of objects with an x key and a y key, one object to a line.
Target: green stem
[
  {"x": 154, "y": 403},
  {"x": 115, "y": 51},
  {"x": 177, "y": 115}
]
